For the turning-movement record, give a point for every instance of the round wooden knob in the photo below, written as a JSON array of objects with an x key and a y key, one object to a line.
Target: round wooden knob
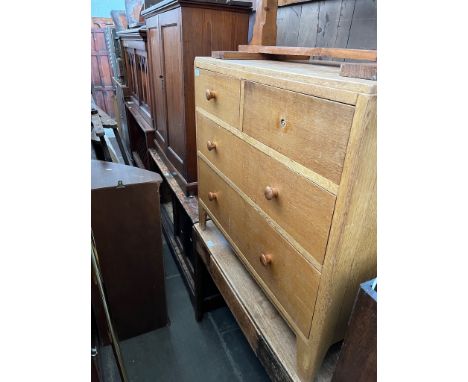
[
  {"x": 210, "y": 145},
  {"x": 212, "y": 196},
  {"x": 210, "y": 94},
  {"x": 265, "y": 259},
  {"x": 270, "y": 192}
]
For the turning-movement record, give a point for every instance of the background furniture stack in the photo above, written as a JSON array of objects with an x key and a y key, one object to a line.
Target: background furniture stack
[
  {"x": 177, "y": 31},
  {"x": 287, "y": 172},
  {"x": 138, "y": 98}
]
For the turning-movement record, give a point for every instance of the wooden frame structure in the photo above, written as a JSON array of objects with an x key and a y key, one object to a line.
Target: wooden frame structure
[{"x": 263, "y": 47}]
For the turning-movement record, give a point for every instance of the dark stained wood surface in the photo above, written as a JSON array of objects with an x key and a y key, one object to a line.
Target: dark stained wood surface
[
  {"x": 178, "y": 31},
  {"x": 358, "y": 358},
  {"x": 127, "y": 232}
]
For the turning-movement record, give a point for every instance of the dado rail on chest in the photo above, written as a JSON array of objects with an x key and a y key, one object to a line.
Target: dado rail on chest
[{"x": 287, "y": 171}]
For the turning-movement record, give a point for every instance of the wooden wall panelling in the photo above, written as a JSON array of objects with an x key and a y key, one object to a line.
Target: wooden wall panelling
[
  {"x": 363, "y": 31},
  {"x": 327, "y": 23},
  {"x": 288, "y": 23}
]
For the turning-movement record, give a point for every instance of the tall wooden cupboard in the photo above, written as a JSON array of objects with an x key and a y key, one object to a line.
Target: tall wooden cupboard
[{"x": 179, "y": 30}]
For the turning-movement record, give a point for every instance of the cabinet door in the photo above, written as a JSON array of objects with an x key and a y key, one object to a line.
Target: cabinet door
[
  {"x": 171, "y": 60},
  {"x": 157, "y": 78}
]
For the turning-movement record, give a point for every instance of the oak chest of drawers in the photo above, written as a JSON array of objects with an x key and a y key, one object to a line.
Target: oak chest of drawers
[{"x": 287, "y": 171}]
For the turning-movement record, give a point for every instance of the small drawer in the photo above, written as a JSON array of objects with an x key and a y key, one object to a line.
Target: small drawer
[
  {"x": 288, "y": 198},
  {"x": 219, "y": 95},
  {"x": 311, "y": 131},
  {"x": 281, "y": 271}
]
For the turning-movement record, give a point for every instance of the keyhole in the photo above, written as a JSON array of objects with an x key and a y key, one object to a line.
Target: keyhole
[{"x": 282, "y": 123}]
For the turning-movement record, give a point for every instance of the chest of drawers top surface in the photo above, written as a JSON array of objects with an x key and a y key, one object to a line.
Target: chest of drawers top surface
[{"x": 301, "y": 77}]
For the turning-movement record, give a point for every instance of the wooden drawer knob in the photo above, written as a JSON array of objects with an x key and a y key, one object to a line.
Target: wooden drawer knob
[
  {"x": 270, "y": 192},
  {"x": 210, "y": 145},
  {"x": 265, "y": 259},
  {"x": 212, "y": 196},
  {"x": 210, "y": 94}
]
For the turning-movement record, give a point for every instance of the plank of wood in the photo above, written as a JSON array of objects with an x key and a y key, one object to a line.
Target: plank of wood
[
  {"x": 359, "y": 70},
  {"x": 97, "y": 125},
  {"x": 138, "y": 161},
  {"x": 288, "y": 22},
  {"x": 355, "y": 54},
  {"x": 264, "y": 30},
  {"x": 189, "y": 203},
  {"x": 307, "y": 25},
  {"x": 236, "y": 55},
  {"x": 362, "y": 33}
]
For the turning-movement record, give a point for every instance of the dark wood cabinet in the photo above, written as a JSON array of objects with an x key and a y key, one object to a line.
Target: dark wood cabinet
[
  {"x": 125, "y": 219},
  {"x": 138, "y": 95},
  {"x": 178, "y": 31}
]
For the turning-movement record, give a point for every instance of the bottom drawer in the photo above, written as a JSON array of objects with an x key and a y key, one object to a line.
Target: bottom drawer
[{"x": 287, "y": 278}]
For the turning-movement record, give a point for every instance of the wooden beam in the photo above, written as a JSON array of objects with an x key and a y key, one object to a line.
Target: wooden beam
[
  {"x": 359, "y": 70},
  {"x": 235, "y": 55},
  {"x": 354, "y": 54},
  {"x": 264, "y": 30}
]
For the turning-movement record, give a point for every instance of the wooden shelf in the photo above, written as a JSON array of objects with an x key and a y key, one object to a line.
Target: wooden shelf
[{"x": 189, "y": 203}]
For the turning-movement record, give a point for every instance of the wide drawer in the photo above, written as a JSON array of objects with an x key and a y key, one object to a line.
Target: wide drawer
[
  {"x": 219, "y": 95},
  {"x": 287, "y": 278},
  {"x": 301, "y": 208},
  {"x": 311, "y": 131}
]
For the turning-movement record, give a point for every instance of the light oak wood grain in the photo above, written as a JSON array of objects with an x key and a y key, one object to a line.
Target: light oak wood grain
[
  {"x": 312, "y": 131},
  {"x": 329, "y": 149},
  {"x": 351, "y": 256},
  {"x": 292, "y": 292},
  {"x": 226, "y": 90},
  {"x": 295, "y": 167},
  {"x": 298, "y": 199}
]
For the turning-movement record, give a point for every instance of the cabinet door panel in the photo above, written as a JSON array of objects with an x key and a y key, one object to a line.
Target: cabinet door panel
[
  {"x": 159, "y": 102},
  {"x": 169, "y": 23}
]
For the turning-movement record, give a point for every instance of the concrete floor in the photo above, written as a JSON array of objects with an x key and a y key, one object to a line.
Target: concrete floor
[
  {"x": 214, "y": 349},
  {"x": 186, "y": 350}
]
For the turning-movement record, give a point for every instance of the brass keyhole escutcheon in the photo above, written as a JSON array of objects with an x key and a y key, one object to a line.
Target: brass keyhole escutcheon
[{"x": 283, "y": 123}]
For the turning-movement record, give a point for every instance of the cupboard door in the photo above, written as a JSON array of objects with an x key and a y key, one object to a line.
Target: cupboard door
[
  {"x": 159, "y": 103},
  {"x": 170, "y": 39}
]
